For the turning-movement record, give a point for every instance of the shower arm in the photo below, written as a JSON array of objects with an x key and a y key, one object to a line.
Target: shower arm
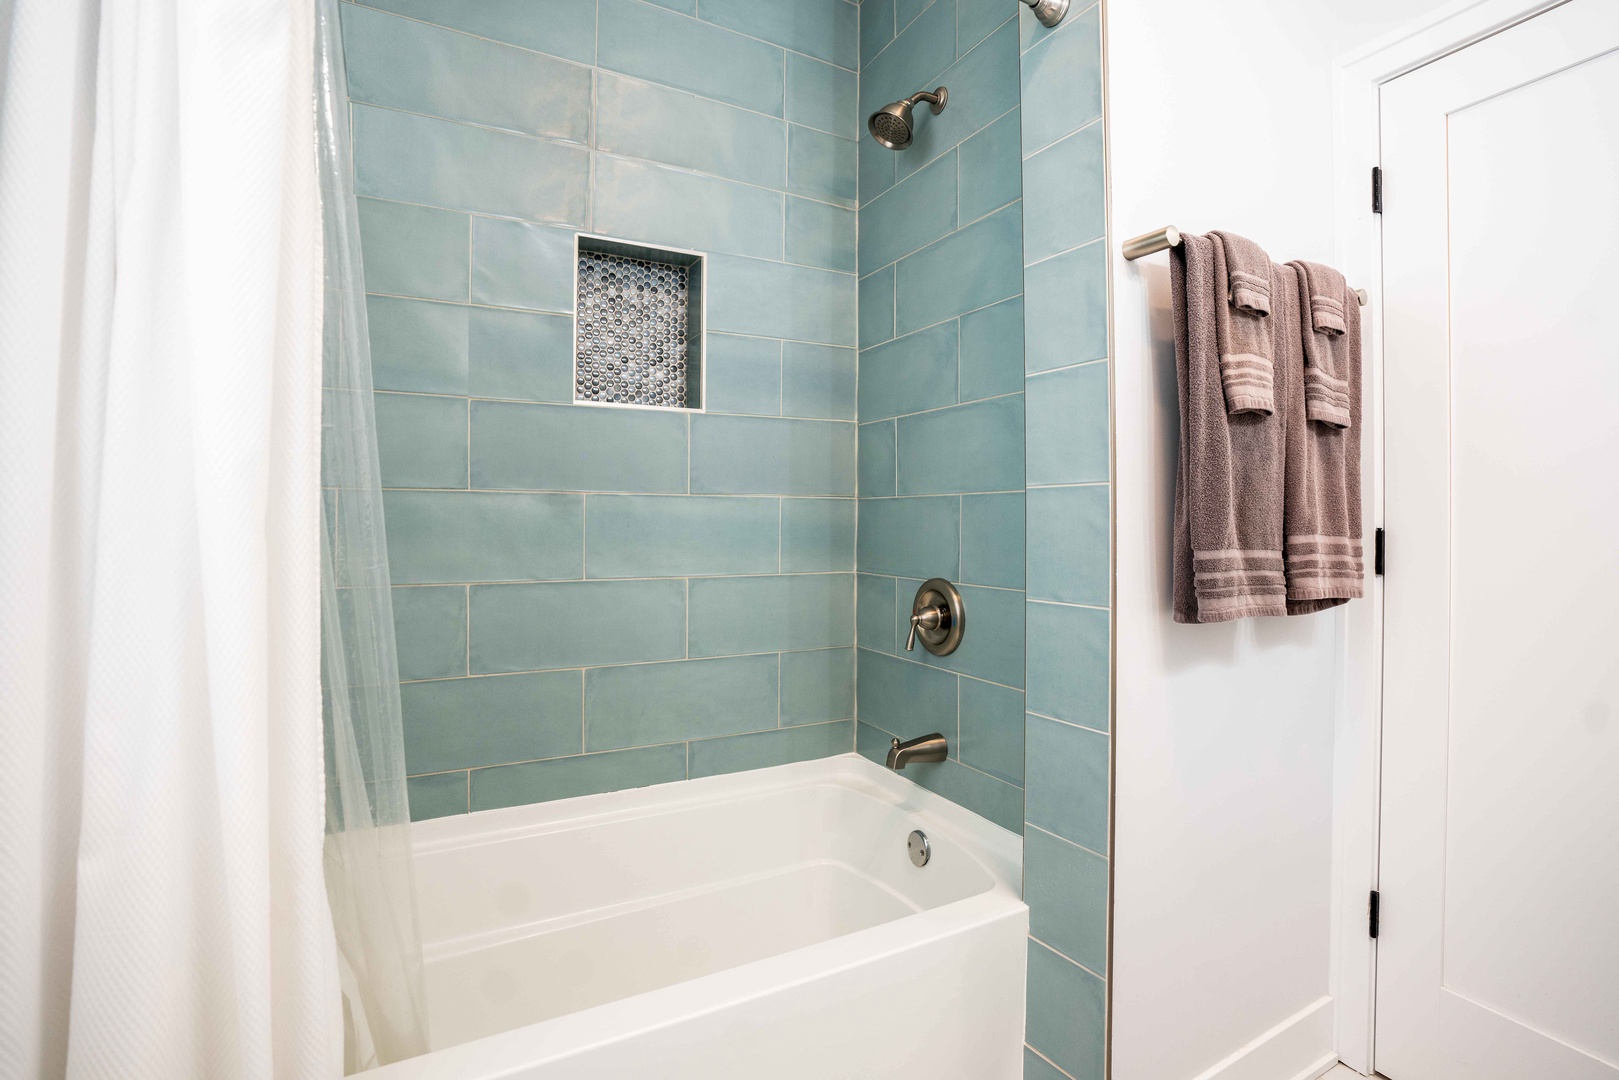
[
  {"x": 1049, "y": 12},
  {"x": 934, "y": 98}
]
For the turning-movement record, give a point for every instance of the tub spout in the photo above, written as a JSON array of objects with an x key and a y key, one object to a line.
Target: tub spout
[{"x": 923, "y": 748}]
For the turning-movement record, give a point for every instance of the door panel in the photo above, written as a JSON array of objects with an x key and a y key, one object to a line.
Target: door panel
[{"x": 1499, "y": 956}]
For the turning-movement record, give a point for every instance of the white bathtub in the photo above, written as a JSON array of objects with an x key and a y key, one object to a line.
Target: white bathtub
[{"x": 767, "y": 924}]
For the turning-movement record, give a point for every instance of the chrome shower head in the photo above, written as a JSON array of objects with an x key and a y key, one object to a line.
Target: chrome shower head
[{"x": 893, "y": 126}]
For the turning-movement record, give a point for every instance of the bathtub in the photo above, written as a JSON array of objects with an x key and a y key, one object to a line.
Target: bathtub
[{"x": 768, "y": 924}]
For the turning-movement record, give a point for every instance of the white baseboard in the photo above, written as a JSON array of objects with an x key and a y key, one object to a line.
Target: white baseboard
[{"x": 1299, "y": 1048}]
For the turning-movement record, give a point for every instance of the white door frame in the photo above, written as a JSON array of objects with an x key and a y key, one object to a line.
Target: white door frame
[{"x": 1357, "y": 81}]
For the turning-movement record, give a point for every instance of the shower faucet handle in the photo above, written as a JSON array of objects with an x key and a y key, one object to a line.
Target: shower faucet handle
[{"x": 931, "y": 618}]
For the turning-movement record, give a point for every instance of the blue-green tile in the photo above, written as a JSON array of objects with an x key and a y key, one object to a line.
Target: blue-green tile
[
  {"x": 685, "y": 7},
  {"x": 567, "y": 778},
  {"x": 519, "y": 354},
  {"x": 817, "y": 381},
  {"x": 877, "y": 307},
  {"x": 644, "y": 704},
  {"x": 817, "y": 686},
  {"x": 1067, "y": 194},
  {"x": 734, "y": 615},
  {"x": 1068, "y": 545},
  {"x": 1066, "y": 413},
  {"x": 820, "y": 234},
  {"x": 992, "y": 168},
  {"x": 973, "y": 447},
  {"x": 1067, "y": 1020},
  {"x": 565, "y": 28},
  {"x": 430, "y": 629},
  {"x": 410, "y": 65},
  {"x": 817, "y": 535},
  {"x": 517, "y": 264},
  {"x": 992, "y": 730},
  {"x": 744, "y": 375},
  {"x": 971, "y": 268},
  {"x": 577, "y": 448},
  {"x": 1066, "y": 777},
  {"x": 976, "y": 18},
  {"x": 910, "y": 537},
  {"x": 747, "y": 455},
  {"x": 903, "y": 698},
  {"x": 1066, "y": 889},
  {"x": 1036, "y": 1067},
  {"x": 924, "y": 48},
  {"x": 1068, "y": 663},
  {"x": 643, "y": 120},
  {"x": 464, "y": 723},
  {"x": 876, "y": 614},
  {"x": 909, "y": 374},
  {"x": 772, "y": 299},
  {"x": 906, "y": 11},
  {"x": 822, "y": 166},
  {"x": 823, "y": 97},
  {"x": 992, "y": 350},
  {"x": 877, "y": 459},
  {"x": 877, "y": 166},
  {"x": 984, "y": 795},
  {"x": 1062, "y": 80},
  {"x": 577, "y": 624},
  {"x": 661, "y": 47},
  {"x": 657, "y": 205},
  {"x": 761, "y": 750},
  {"x": 417, "y": 346},
  {"x": 454, "y": 536},
  {"x": 1067, "y": 302},
  {"x": 876, "y": 28},
  {"x": 993, "y": 645},
  {"x": 983, "y": 86},
  {"x": 422, "y": 440},
  {"x": 909, "y": 216},
  {"x": 679, "y": 535},
  {"x": 826, "y": 29},
  {"x": 422, "y": 159},
  {"x": 438, "y": 795},
  {"x": 413, "y": 250},
  {"x": 992, "y": 551}
]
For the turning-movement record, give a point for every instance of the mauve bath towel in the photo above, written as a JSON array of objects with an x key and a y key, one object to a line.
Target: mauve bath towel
[
  {"x": 1230, "y": 480},
  {"x": 1324, "y": 558}
]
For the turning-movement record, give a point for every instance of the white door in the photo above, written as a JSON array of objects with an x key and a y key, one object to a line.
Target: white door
[{"x": 1498, "y": 955}]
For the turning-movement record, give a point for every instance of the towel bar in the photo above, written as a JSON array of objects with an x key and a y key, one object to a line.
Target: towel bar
[{"x": 1168, "y": 237}]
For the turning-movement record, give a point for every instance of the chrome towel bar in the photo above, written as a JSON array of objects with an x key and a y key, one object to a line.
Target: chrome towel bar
[{"x": 1168, "y": 237}]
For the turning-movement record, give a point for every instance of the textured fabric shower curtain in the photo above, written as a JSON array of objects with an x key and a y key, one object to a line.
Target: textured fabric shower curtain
[{"x": 163, "y": 908}]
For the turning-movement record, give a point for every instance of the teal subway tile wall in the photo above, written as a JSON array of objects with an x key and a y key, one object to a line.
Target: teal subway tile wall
[
  {"x": 589, "y": 598},
  {"x": 907, "y": 377},
  {"x": 940, "y": 395},
  {"x": 1068, "y": 736}
]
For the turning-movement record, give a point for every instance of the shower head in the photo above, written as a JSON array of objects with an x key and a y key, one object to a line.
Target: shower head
[{"x": 892, "y": 124}]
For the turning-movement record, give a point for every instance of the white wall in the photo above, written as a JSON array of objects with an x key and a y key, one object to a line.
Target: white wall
[{"x": 1219, "y": 116}]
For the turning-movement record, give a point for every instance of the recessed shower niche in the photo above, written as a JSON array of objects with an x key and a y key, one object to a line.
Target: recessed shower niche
[{"x": 638, "y": 325}]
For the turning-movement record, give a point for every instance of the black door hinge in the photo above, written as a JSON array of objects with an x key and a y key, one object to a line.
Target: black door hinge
[
  {"x": 1377, "y": 189},
  {"x": 1377, "y": 554},
  {"x": 1372, "y": 906}
]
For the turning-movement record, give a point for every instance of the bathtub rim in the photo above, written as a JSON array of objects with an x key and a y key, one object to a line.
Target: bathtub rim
[{"x": 997, "y": 850}]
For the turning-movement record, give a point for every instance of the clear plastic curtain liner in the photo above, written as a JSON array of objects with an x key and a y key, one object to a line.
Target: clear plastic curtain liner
[
  {"x": 369, "y": 873},
  {"x": 163, "y": 909}
]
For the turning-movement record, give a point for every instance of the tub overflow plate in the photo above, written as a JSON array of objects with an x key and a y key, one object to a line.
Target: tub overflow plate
[{"x": 919, "y": 847}]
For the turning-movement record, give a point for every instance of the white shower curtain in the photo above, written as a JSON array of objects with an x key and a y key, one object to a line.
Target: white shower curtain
[{"x": 162, "y": 906}]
